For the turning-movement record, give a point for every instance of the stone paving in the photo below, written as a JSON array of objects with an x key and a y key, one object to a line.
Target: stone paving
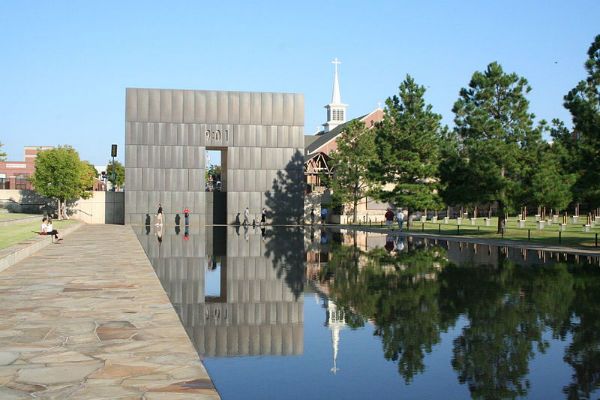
[{"x": 89, "y": 319}]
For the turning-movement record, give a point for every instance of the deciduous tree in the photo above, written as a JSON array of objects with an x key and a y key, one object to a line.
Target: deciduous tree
[
  {"x": 351, "y": 164},
  {"x": 60, "y": 174},
  {"x": 118, "y": 179}
]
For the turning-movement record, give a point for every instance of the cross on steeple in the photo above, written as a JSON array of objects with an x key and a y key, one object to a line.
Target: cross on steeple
[{"x": 336, "y": 110}]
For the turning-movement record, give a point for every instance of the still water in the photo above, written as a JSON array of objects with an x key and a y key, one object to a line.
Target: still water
[{"x": 311, "y": 314}]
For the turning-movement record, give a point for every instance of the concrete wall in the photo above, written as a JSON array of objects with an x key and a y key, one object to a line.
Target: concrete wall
[
  {"x": 168, "y": 131},
  {"x": 101, "y": 208}
]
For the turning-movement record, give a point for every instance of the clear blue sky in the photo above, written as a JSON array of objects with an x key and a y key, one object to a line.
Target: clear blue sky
[{"x": 65, "y": 65}]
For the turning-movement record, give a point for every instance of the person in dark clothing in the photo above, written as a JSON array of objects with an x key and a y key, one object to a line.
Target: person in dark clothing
[
  {"x": 263, "y": 216},
  {"x": 389, "y": 217},
  {"x": 324, "y": 212}
]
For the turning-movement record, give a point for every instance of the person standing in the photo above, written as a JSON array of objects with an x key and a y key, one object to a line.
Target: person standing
[
  {"x": 159, "y": 215},
  {"x": 389, "y": 217},
  {"x": 324, "y": 212},
  {"x": 312, "y": 216},
  {"x": 400, "y": 218},
  {"x": 263, "y": 216},
  {"x": 246, "y": 216}
]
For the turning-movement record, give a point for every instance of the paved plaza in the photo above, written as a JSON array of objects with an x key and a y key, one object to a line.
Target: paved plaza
[{"x": 88, "y": 318}]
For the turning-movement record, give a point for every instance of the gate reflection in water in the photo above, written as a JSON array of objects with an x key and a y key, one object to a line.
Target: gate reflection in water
[
  {"x": 393, "y": 316},
  {"x": 253, "y": 312}
]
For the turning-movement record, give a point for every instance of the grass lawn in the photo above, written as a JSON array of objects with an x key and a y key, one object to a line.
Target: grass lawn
[
  {"x": 8, "y": 216},
  {"x": 572, "y": 236},
  {"x": 13, "y": 234}
]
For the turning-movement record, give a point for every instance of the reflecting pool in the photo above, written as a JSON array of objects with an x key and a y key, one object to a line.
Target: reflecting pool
[{"x": 320, "y": 314}]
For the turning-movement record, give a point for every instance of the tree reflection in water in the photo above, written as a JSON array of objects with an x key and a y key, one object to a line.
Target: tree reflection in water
[{"x": 413, "y": 296}]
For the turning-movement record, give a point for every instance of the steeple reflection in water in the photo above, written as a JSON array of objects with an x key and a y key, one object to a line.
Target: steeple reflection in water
[{"x": 395, "y": 315}]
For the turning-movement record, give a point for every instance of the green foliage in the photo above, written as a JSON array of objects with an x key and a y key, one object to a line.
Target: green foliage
[
  {"x": 407, "y": 144},
  {"x": 88, "y": 175},
  {"x": 495, "y": 141},
  {"x": 412, "y": 297},
  {"x": 351, "y": 164},
  {"x": 60, "y": 174},
  {"x": 2, "y": 153},
  {"x": 550, "y": 185},
  {"x": 213, "y": 171},
  {"x": 583, "y": 102},
  {"x": 118, "y": 179}
]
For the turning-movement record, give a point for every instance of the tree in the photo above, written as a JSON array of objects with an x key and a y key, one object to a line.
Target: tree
[
  {"x": 407, "y": 144},
  {"x": 60, "y": 174},
  {"x": 496, "y": 137},
  {"x": 2, "y": 153},
  {"x": 583, "y": 102},
  {"x": 88, "y": 174},
  {"x": 550, "y": 184},
  {"x": 118, "y": 179},
  {"x": 351, "y": 164}
]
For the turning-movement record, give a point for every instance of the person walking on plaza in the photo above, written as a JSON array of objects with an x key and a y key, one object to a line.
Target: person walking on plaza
[
  {"x": 159, "y": 215},
  {"x": 246, "y": 216},
  {"x": 389, "y": 217},
  {"x": 312, "y": 216},
  {"x": 400, "y": 218}
]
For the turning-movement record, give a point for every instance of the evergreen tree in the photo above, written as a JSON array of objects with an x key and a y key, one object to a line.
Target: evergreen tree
[
  {"x": 550, "y": 184},
  {"x": 350, "y": 163},
  {"x": 496, "y": 137},
  {"x": 407, "y": 144},
  {"x": 60, "y": 174},
  {"x": 2, "y": 153},
  {"x": 583, "y": 102}
]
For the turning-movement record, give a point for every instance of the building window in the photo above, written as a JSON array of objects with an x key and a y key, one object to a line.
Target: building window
[{"x": 21, "y": 182}]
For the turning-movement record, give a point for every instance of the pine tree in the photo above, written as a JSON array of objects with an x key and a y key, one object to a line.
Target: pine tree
[
  {"x": 407, "y": 144},
  {"x": 583, "y": 102},
  {"x": 496, "y": 137}
]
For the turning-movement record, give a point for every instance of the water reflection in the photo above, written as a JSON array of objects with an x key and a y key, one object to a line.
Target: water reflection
[
  {"x": 509, "y": 297},
  {"x": 494, "y": 311},
  {"x": 230, "y": 290}
]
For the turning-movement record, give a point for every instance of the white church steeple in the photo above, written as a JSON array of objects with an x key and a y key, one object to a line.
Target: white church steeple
[{"x": 336, "y": 110}]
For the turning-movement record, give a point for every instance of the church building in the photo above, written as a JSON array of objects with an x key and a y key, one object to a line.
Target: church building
[{"x": 319, "y": 146}]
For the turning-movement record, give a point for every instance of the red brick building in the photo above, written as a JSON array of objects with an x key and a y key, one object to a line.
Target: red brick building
[{"x": 15, "y": 174}]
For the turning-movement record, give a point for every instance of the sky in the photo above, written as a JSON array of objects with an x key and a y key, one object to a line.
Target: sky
[{"x": 64, "y": 65}]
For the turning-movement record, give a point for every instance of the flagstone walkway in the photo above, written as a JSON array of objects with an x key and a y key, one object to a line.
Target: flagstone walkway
[{"x": 88, "y": 319}]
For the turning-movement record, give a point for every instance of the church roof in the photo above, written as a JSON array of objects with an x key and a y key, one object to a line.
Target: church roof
[
  {"x": 308, "y": 139},
  {"x": 322, "y": 138}
]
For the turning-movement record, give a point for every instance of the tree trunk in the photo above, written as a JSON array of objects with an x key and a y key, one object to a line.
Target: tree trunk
[
  {"x": 354, "y": 211},
  {"x": 501, "y": 217}
]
